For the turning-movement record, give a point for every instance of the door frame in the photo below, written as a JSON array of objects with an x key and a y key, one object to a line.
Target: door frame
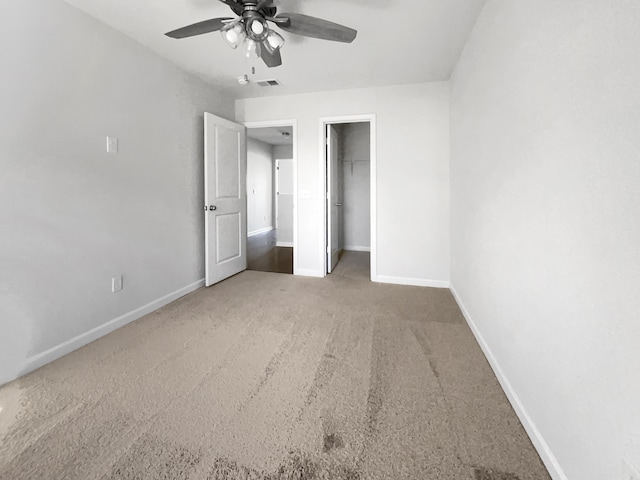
[
  {"x": 293, "y": 123},
  {"x": 364, "y": 118}
]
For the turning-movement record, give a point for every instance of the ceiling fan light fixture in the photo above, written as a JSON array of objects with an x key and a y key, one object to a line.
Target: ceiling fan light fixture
[
  {"x": 233, "y": 34},
  {"x": 256, "y": 28},
  {"x": 251, "y": 48},
  {"x": 274, "y": 42}
]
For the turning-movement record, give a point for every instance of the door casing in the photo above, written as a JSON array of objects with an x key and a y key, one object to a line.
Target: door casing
[
  {"x": 294, "y": 125},
  {"x": 371, "y": 119}
]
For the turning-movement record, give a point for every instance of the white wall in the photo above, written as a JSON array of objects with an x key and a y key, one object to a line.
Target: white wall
[
  {"x": 259, "y": 186},
  {"x": 282, "y": 152},
  {"x": 356, "y": 201},
  {"x": 73, "y": 216},
  {"x": 413, "y": 174},
  {"x": 545, "y": 204}
]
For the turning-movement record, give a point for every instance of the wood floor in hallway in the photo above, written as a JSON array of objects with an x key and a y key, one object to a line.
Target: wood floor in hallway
[{"x": 265, "y": 256}]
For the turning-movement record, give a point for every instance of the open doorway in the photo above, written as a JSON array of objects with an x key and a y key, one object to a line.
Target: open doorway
[
  {"x": 270, "y": 198},
  {"x": 349, "y": 161}
]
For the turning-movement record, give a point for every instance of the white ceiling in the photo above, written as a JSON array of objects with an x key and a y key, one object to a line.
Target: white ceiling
[
  {"x": 272, "y": 135},
  {"x": 399, "y": 42}
]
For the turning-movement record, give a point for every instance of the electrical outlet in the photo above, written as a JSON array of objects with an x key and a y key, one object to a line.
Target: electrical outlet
[
  {"x": 631, "y": 472},
  {"x": 116, "y": 284},
  {"x": 112, "y": 145}
]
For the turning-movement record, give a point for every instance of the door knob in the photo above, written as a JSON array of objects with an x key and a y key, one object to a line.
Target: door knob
[
  {"x": 213, "y": 207},
  {"x": 338, "y": 204}
]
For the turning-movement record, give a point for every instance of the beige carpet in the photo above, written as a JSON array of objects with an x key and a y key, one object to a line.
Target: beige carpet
[{"x": 273, "y": 377}]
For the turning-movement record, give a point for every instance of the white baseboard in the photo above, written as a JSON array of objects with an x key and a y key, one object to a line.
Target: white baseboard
[
  {"x": 415, "y": 282},
  {"x": 257, "y": 232},
  {"x": 304, "y": 272},
  {"x": 547, "y": 456},
  {"x": 284, "y": 244},
  {"x": 83, "y": 339},
  {"x": 353, "y": 248}
]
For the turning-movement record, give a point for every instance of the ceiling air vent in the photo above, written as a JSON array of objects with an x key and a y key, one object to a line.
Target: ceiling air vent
[{"x": 268, "y": 83}]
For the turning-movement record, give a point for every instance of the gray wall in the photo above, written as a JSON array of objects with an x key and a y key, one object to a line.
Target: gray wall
[
  {"x": 260, "y": 213},
  {"x": 545, "y": 220},
  {"x": 355, "y": 149},
  {"x": 412, "y": 169},
  {"x": 72, "y": 215},
  {"x": 282, "y": 152}
]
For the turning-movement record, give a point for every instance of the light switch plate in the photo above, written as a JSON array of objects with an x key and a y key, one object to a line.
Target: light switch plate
[{"x": 112, "y": 145}]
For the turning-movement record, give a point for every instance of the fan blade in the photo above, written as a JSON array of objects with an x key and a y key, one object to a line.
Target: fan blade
[
  {"x": 270, "y": 59},
  {"x": 315, "y": 27},
  {"x": 263, "y": 3},
  {"x": 234, "y": 5},
  {"x": 199, "y": 28}
]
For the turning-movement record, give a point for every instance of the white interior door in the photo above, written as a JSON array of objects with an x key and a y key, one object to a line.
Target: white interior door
[
  {"x": 225, "y": 170},
  {"x": 333, "y": 205},
  {"x": 284, "y": 203}
]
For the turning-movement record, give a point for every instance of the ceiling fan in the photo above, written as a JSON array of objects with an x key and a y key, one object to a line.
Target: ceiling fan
[{"x": 251, "y": 29}]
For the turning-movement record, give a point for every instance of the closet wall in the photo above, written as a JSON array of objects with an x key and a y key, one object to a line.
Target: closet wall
[{"x": 355, "y": 155}]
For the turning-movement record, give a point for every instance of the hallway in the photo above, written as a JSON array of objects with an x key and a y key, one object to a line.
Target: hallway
[{"x": 263, "y": 255}]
